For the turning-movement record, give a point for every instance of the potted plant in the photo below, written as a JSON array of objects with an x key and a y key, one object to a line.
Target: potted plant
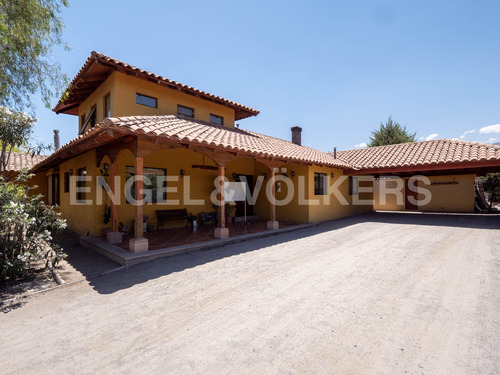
[
  {"x": 107, "y": 218},
  {"x": 230, "y": 211}
]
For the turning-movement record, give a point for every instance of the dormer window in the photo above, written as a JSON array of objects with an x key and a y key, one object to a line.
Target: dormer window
[
  {"x": 148, "y": 101},
  {"x": 214, "y": 119},
  {"x": 185, "y": 111}
]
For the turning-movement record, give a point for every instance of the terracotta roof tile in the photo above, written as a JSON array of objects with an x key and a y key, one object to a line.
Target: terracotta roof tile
[
  {"x": 18, "y": 161},
  {"x": 186, "y": 130},
  {"x": 439, "y": 151}
]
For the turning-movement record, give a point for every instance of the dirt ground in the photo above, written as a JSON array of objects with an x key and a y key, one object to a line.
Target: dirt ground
[
  {"x": 79, "y": 264},
  {"x": 373, "y": 294}
]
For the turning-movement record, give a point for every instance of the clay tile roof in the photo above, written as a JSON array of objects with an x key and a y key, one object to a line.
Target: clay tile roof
[
  {"x": 18, "y": 161},
  {"x": 435, "y": 152},
  {"x": 99, "y": 66},
  {"x": 185, "y": 130}
]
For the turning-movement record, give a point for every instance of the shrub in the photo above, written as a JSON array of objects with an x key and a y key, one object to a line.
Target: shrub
[{"x": 25, "y": 230}]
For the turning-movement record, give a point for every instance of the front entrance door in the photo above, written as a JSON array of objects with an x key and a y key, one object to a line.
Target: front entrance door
[
  {"x": 240, "y": 206},
  {"x": 408, "y": 193}
]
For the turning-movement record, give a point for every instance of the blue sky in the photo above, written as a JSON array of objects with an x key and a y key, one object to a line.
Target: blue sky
[{"x": 335, "y": 68}]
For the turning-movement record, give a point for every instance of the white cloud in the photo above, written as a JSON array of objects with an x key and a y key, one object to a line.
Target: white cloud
[
  {"x": 490, "y": 129},
  {"x": 467, "y": 132},
  {"x": 429, "y": 137},
  {"x": 361, "y": 145},
  {"x": 491, "y": 140}
]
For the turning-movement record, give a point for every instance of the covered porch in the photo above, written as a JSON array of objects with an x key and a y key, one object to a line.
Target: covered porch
[
  {"x": 196, "y": 178},
  {"x": 180, "y": 236}
]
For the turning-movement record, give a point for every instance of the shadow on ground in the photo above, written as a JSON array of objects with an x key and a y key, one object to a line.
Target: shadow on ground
[
  {"x": 80, "y": 262},
  {"x": 164, "y": 266}
]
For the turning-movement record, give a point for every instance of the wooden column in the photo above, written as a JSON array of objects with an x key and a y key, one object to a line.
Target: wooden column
[
  {"x": 221, "y": 231},
  {"x": 222, "y": 208},
  {"x": 139, "y": 185},
  {"x": 114, "y": 236},
  {"x": 272, "y": 206},
  {"x": 138, "y": 243},
  {"x": 114, "y": 189}
]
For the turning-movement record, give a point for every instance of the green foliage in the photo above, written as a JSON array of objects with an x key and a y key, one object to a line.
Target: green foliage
[
  {"x": 25, "y": 230},
  {"x": 491, "y": 184},
  {"x": 29, "y": 29},
  {"x": 390, "y": 133},
  {"x": 15, "y": 131}
]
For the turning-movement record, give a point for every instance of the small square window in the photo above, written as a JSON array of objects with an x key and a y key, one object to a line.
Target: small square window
[
  {"x": 185, "y": 111},
  {"x": 353, "y": 185},
  {"x": 319, "y": 183},
  {"x": 146, "y": 100},
  {"x": 107, "y": 106},
  {"x": 214, "y": 119}
]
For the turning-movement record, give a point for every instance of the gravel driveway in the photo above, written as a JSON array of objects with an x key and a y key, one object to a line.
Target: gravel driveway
[{"x": 373, "y": 294}]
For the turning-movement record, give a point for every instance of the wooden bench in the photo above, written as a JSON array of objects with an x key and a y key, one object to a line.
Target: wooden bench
[{"x": 177, "y": 214}]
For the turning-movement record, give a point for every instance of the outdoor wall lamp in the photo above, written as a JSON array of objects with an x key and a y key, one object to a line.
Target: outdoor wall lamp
[
  {"x": 292, "y": 173},
  {"x": 265, "y": 175},
  {"x": 70, "y": 172},
  {"x": 235, "y": 176},
  {"x": 106, "y": 168},
  {"x": 182, "y": 173},
  {"x": 332, "y": 175}
]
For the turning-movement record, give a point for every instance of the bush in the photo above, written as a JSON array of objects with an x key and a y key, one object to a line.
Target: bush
[
  {"x": 25, "y": 230},
  {"x": 491, "y": 184}
]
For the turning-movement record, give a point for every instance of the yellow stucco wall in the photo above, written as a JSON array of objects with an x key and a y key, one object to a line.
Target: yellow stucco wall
[
  {"x": 453, "y": 193},
  {"x": 336, "y": 208},
  {"x": 393, "y": 202},
  {"x": 81, "y": 218},
  {"x": 97, "y": 99},
  {"x": 89, "y": 218},
  {"x": 123, "y": 89}
]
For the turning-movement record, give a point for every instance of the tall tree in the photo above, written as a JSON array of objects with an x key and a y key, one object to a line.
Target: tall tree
[
  {"x": 390, "y": 133},
  {"x": 29, "y": 30},
  {"x": 15, "y": 131}
]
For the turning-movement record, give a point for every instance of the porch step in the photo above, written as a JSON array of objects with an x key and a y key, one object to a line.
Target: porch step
[{"x": 238, "y": 219}]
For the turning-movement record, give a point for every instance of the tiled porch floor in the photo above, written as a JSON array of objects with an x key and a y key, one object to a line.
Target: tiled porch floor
[{"x": 182, "y": 236}]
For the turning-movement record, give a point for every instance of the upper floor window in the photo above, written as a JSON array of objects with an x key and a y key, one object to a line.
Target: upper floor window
[
  {"x": 319, "y": 183},
  {"x": 186, "y": 111},
  {"x": 214, "y": 119},
  {"x": 146, "y": 100},
  {"x": 107, "y": 105}
]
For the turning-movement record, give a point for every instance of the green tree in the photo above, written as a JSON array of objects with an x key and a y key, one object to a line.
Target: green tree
[
  {"x": 15, "y": 131},
  {"x": 390, "y": 133},
  {"x": 29, "y": 29}
]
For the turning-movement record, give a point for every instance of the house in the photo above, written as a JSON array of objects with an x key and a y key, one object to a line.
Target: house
[
  {"x": 144, "y": 135},
  {"x": 133, "y": 123},
  {"x": 22, "y": 160}
]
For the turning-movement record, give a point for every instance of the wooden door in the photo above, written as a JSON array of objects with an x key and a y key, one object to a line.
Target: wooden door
[{"x": 408, "y": 193}]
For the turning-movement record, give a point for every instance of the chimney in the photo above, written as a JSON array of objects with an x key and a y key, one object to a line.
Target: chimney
[
  {"x": 56, "y": 139},
  {"x": 296, "y": 132},
  {"x": 335, "y": 152}
]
